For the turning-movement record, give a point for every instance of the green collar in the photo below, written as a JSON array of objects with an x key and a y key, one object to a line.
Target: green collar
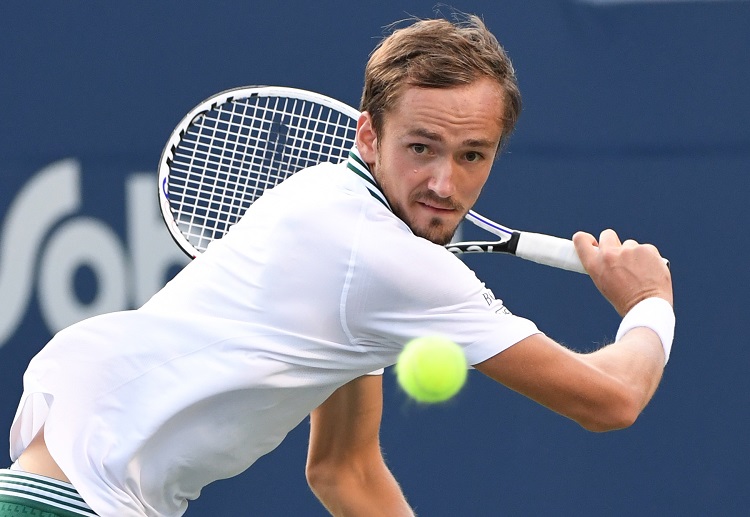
[{"x": 360, "y": 168}]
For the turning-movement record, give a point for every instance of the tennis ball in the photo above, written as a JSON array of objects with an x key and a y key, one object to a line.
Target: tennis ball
[{"x": 431, "y": 369}]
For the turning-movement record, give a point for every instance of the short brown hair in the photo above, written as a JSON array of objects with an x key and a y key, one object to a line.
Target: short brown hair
[{"x": 438, "y": 53}]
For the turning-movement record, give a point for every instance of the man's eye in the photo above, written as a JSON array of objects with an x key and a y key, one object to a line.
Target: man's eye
[
  {"x": 419, "y": 148},
  {"x": 473, "y": 156}
]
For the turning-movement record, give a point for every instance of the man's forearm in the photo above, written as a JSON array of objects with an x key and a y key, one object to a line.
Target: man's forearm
[{"x": 370, "y": 493}]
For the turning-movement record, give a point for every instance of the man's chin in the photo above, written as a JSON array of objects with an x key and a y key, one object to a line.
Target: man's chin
[{"x": 435, "y": 232}]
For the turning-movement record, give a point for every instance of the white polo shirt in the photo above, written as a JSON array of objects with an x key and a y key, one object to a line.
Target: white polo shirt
[{"x": 318, "y": 284}]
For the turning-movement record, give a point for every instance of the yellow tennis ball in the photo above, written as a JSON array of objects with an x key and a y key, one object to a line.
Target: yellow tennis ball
[{"x": 431, "y": 369}]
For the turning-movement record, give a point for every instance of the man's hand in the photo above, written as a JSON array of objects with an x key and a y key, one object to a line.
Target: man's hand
[{"x": 624, "y": 272}]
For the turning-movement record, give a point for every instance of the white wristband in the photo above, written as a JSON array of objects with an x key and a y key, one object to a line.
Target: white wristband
[{"x": 654, "y": 313}]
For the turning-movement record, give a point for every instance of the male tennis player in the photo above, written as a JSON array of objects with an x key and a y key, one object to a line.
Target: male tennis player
[{"x": 133, "y": 413}]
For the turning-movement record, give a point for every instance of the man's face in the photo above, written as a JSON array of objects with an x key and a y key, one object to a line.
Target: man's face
[{"x": 434, "y": 153}]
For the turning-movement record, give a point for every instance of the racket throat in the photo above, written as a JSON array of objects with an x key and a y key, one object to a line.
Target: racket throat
[{"x": 512, "y": 244}]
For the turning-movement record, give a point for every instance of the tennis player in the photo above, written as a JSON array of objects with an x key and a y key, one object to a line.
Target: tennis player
[{"x": 297, "y": 310}]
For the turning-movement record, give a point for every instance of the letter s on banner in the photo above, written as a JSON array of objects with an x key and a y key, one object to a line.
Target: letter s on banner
[
  {"x": 50, "y": 195},
  {"x": 125, "y": 277}
]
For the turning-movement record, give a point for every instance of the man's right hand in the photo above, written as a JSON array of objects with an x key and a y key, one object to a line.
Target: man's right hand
[{"x": 624, "y": 272}]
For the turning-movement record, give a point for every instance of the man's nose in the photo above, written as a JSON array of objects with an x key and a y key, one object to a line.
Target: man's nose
[{"x": 442, "y": 179}]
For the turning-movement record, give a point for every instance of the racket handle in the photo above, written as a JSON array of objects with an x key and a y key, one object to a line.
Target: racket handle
[{"x": 548, "y": 250}]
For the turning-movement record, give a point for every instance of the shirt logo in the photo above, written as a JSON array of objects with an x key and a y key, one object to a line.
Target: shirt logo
[{"x": 494, "y": 304}]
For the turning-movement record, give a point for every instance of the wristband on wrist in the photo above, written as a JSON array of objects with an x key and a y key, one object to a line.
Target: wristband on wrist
[{"x": 654, "y": 313}]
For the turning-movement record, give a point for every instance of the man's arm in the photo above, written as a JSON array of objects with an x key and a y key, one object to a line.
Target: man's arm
[
  {"x": 609, "y": 388},
  {"x": 602, "y": 391},
  {"x": 345, "y": 467}
]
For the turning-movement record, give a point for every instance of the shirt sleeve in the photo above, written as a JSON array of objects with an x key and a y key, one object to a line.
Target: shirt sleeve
[{"x": 402, "y": 286}]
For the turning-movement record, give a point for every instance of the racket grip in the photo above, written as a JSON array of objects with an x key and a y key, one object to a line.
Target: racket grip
[{"x": 549, "y": 250}]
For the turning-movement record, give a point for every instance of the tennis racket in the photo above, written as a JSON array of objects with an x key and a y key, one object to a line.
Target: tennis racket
[{"x": 233, "y": 146}]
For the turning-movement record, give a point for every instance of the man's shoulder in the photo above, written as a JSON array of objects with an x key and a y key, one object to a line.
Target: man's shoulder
[{"x": 318, "y": 179}]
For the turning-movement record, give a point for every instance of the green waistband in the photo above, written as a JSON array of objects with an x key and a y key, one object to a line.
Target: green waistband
[{"x": 24, "y": 494}]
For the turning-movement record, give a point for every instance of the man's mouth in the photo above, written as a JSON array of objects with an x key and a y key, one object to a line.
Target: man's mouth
[{"x": 437, "y": 205}]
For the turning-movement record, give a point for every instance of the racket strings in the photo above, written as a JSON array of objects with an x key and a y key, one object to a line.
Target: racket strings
[{"x": 234, "y": 152}]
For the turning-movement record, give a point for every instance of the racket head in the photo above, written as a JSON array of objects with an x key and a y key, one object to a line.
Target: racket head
[{"x": 234, "y": 145}]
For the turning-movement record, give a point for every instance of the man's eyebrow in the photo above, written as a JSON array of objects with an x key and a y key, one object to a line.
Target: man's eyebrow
[
  {"x": 424, "y": 133},
  {"x": 479, "y": 143}
]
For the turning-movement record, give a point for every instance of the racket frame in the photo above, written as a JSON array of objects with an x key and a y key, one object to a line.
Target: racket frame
[{"x": 206, "y": 106}]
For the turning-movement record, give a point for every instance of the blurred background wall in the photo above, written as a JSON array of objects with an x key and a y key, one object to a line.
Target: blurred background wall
[{"x": 635, "y": 117}]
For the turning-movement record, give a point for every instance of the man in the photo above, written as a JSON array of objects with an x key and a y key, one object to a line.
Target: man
[{"x": 291, "y": 312}]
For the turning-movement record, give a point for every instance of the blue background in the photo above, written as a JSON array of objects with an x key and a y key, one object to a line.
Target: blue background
[{"x": 635, "y": 117}]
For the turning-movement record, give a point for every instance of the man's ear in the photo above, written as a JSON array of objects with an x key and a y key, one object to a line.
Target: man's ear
[{"x": 367, "y": 140}]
